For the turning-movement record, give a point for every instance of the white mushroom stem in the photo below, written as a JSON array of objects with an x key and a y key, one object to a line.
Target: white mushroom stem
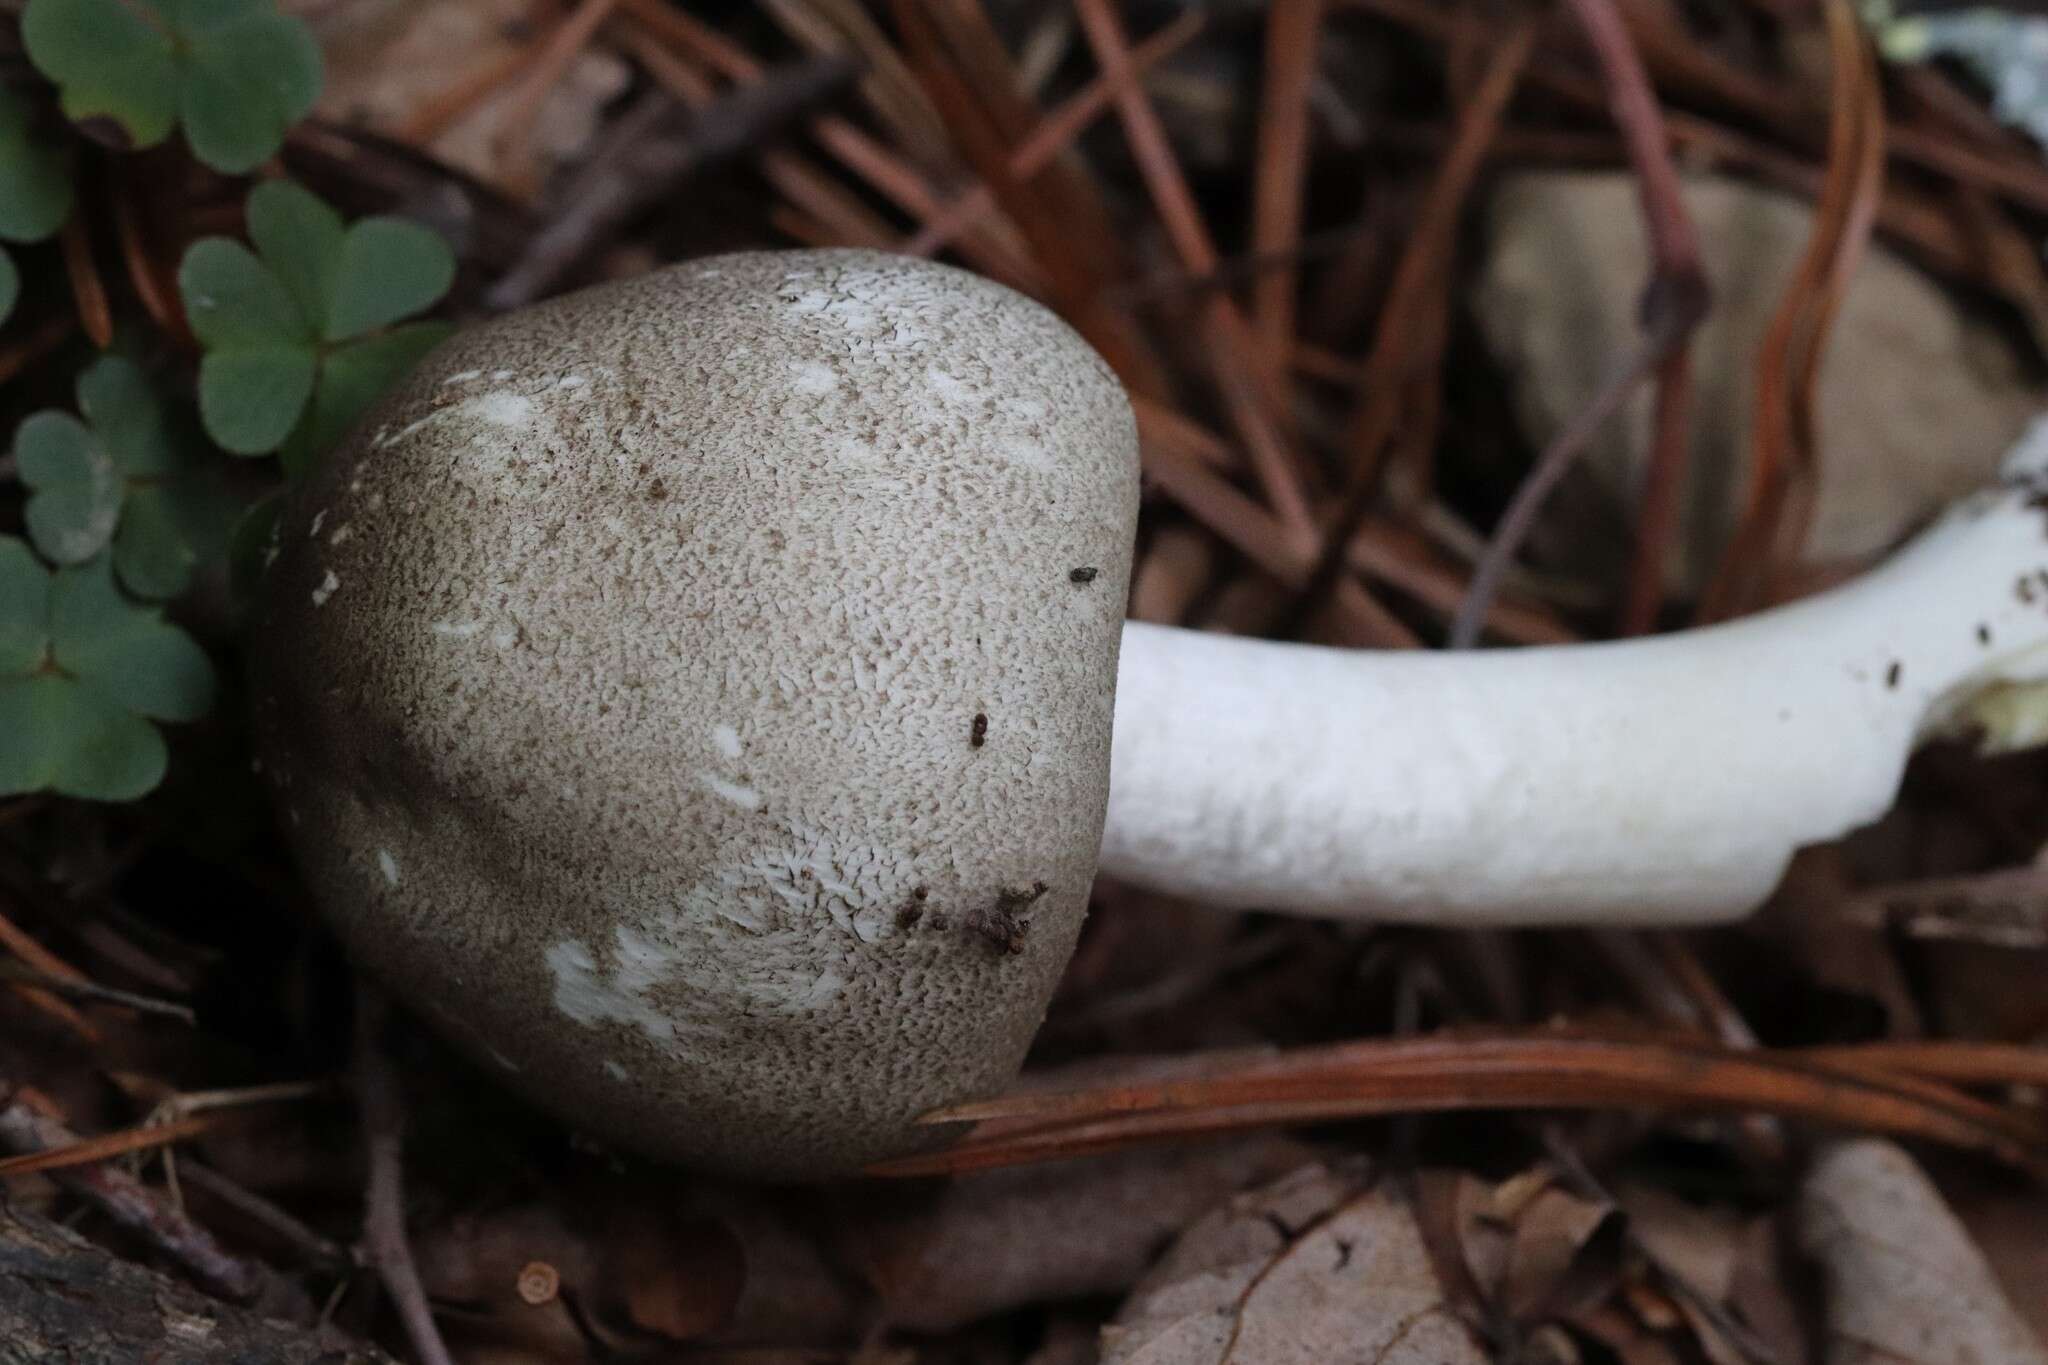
[{"x": 1663, "y": 780}]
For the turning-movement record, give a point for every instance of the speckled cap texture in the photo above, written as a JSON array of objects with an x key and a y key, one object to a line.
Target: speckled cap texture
[{"x": 693, "y": 694}]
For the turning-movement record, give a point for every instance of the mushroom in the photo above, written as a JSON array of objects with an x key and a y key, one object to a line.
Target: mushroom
[
  {"x": 684, "y": 692},
  {"x": 695, "y": 694},
  {"x": 1663, "y": 780}
]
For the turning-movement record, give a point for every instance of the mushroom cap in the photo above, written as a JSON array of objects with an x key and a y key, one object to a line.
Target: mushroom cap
[{"x": 693, "y": 695}]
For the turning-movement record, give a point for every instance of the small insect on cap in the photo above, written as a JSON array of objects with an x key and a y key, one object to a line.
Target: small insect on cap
[{"x": 694, "y": 694}]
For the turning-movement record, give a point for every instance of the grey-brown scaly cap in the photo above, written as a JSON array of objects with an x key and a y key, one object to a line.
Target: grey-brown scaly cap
[{"x": 694, "y": 694}]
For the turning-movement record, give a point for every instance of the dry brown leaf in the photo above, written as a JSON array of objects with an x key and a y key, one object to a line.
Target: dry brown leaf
[
  {"x": 393, "y": 67},
  {"x": 1630, "y": 1340},
  {"x": 992, "y": 1243},
  {"x": 1905, "y": 1284},
  {"x": 1921, "y": 395},
  {"x": 1724, "y": 1270},
  {"x": 1541, "y": 1230},
  {"x": 1319, "y": 1268},
  {"x": 1702, "y": 1247}
]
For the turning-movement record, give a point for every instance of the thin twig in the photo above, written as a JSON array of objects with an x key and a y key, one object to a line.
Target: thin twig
[
  {"x": 24, "y": 1127},
  {"x": 1281, "y": 167},
  {"x": 1550, "y": 468},
  {"x": 92, "y": 1150},
  {"x": 1055, "y": 133},
  {"x": 243, "y": 1096},
  {"x": 513, "y": 145},
  {"x": 88, "y": 291},
  {"x": 1384, "y": 381},
  {"x": 317, "y": 1250},
  {"x": 20, "y": 973},
  {"x": 37, "y": 958},
  {"x": 153, "y": 286},
  {"x": 383, "y": 1119},
  {"x": 652, "y": 148},
  {"x": 1250, "y": 385},
  {"x": 2007, "y": 908},
  {"x": 1677, "y": 281},
  {"x": 1548, "y": 1069},
  {"x": 1674, "y": 301},
  {"x": 17, "y": 356},
  {"x": 1785, "y": 438}
]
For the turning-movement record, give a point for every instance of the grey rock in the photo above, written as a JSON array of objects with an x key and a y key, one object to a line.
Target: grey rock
[{"x": 1917, "y": 400}]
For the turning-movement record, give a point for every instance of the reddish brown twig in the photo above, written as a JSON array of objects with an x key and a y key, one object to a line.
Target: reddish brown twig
[
  {"x": 69, "y": 988},
  {"x": 1292, "y": 29},
  {"x": 88, "y": 290},
  {"x": 1784, "y": 442},
  {"x": 92, "y": 1150},
  {"x": 1252, "y": 386},
  {"x": 1054, "y": 134},
  {"x": 1448, "y": 1073},
  {"x": 40, "y": 959},
  {"x": 458, "y": 100},
  {"x": 154, "y": 286}
]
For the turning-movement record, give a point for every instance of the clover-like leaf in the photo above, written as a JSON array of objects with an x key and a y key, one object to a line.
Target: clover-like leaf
[
  {"x": 75, "y": 492},
  {"x": 237, "y": 73},
  {"x": 35, "y": 189},
  {"x": 35, "y": 176},
  {"x": 349, "y": 382},
  {"x": 124, "y": 651},
  {"x": 300, "y": 238},
  {"x": 83, "y": 671},
  {"x": 56, "y": 736},
  {"x": 294, "y": 353},
  {"x": 168, "y": 530},
  {"x": 389, "y": 269},
  {"x": 24, "y": 607},
  {"x": 235, "y": 300},
  {"x": 128, "y": 474},
  {"x": 251, "y": 398}
]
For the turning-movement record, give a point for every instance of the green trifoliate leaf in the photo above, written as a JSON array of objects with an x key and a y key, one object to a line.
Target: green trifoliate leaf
[
  {"x": 235, "y": 300},
  {"x": 351, "y": 380},
  {"x": 250, "y": 74},
  {"x": 112, "y": 61},
  {"x": 251, "y": 398},
  {"x": 125, "y": 652},
  {"x": 57, "y": 736},
  {"x": 300, "y": 239},
  {"x": 35, "y": 176},
  {"x": 389, "y": 269},
  {"x": 75, "y": 491},
  {"x": 116, "y": 397},
  {"x": 24, "y": 608},
  {"x": 167, "y": 532},
  {"x": 82, "y": 669},
  {"x": 129, "y": 474},
  {"x": 236, "y": 72},
  {"x": 292, "y": 331}
]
